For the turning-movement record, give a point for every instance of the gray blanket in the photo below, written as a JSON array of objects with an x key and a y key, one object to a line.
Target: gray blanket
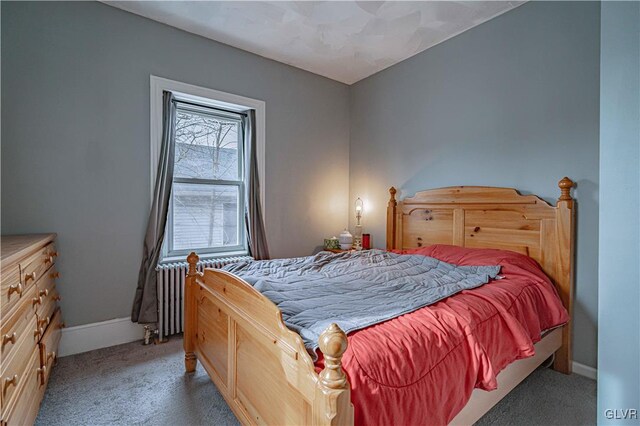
[{"x": 355, "y": 289}]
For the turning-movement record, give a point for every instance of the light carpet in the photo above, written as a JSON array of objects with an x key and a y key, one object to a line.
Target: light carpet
[{"x": 134, "y": 384}]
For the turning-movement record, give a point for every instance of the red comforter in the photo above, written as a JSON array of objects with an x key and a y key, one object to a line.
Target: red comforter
[{"x": 420, "y": 368}]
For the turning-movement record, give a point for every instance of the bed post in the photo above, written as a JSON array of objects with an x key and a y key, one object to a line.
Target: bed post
[
  {"x": 190, "y": 359},
  {"x": 565, "y": 228},
  {"x": 391, "y": 219},
  {"x": 332, "y": 405}
]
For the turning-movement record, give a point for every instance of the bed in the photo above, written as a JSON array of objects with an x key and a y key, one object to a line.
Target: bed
[{"x": 267, "y": 376}]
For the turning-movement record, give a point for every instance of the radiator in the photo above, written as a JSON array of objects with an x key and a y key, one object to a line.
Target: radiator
[{"x": 171, "y": 278}]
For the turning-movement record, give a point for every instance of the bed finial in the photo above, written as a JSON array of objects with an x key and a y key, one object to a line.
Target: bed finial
[
  {"x": 565, "y": 186},
  {"x": 392, "y": 193},
  {"x": 193, "y": 260},
  {"x": 333, "y": 343}
]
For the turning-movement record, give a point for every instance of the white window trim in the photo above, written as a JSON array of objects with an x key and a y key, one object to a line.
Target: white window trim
[{"x": 211, "y": 96}]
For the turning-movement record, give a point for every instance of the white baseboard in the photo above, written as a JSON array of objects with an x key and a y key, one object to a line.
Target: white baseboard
[
  {"x": 584, "y": 370},
  {"x": 88, "y": 337}
]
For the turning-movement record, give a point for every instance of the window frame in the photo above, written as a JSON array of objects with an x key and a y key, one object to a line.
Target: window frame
[
  {"x": 168, "y": 250},
  {"x": 216, "y": 99}
]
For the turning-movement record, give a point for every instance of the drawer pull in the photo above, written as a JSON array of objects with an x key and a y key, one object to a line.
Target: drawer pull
[
  {"x": 53, "y": 254},
  {"x": 42, "y": 372},
  {"x": 16, "y": 288},
  {"x": 9, "y": 382},
  {"x": 51, "y": 356},
  {"x": 57, "y": 298},
  {"x": 37, "y": 333},
  {"x": 31, "y": 276},
  {"x": 9, "y": 338},
  {"x": 44, "y": 292},
  {"x": 37, "y": 301},
  {"x": 43, "y": 323},
  {"x": 55, "y": 275}
]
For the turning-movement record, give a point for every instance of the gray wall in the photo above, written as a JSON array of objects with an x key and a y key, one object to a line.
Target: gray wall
[
  {"x": 75, "y": 140},
  {"x": 513, "y": 102},
  {"x": 619, "y": 284}
]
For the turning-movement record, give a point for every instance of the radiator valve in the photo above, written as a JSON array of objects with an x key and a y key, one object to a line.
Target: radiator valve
[{"x": 149, "y": 332}]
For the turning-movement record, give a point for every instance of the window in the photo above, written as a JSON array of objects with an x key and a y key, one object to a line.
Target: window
[
  {"x": 207, "y": 202},
  {"x": 207, "y": 209}
]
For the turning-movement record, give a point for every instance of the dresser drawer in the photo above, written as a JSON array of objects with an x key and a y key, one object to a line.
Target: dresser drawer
[
  {"x": 49, "y": 344},
  {"x": 47, "y": 284},
  {"x": 25, "y": 409},
  {"x": 46, "y": 290},
  {"x": 17, "y": 324},
  {"x": 27, "y": 294},
  {"x": 14, "y": 367},
  {"x": 11, "y": 288},
  {"x": 34, "y": 266}
]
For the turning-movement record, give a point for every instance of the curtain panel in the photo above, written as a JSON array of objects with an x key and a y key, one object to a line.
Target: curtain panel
[
  {"x": 256, "y": 235},
  {"x": 145, "y": 304}
]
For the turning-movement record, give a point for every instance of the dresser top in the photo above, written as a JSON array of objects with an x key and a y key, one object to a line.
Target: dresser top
[{"x": 15, "y": 247}]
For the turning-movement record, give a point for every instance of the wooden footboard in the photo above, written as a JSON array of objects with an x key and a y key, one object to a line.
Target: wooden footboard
[{"x": 260, "y": 366}]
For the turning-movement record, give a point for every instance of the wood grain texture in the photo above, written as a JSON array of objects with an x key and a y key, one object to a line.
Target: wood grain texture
[
  {"x": 32, "y": 390},
  {"x": 499, "y": 218},
  {"x": 391, "y": 218},
  {"x": 260, "y": 366},
  {"x": 12, "y": 289},
  {"x": 30, "y": 324},
  {"x": 16, "y": 247},
  {"x": 49, "y": 346},
  {"x": 263, "y": 369}
]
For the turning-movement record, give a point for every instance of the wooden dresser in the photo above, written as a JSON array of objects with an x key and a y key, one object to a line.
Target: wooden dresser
[{"x": 30, "y": 323}]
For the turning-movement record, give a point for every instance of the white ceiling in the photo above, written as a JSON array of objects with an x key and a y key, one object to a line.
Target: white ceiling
[{"x": 345, "y": 41}]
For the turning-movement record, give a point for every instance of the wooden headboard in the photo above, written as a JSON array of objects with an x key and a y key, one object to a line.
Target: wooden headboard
[{"x": 487, "y": 217}]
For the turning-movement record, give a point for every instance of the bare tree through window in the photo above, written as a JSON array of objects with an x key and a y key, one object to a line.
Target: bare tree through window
[{"x": 207, "y": 180}]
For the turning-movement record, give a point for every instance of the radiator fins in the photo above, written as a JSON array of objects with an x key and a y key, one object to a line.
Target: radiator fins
[{"x": 171, "y": 278}]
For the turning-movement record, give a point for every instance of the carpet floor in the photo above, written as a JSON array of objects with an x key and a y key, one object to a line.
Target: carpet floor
[{"x": 133, "y": 384}]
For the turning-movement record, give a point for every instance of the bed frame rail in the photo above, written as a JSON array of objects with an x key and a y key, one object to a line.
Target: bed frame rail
[{"x": 261, "y": 367}]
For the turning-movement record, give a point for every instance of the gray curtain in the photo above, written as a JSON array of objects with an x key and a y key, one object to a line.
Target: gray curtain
[
  {"x": 256, "y": 235},
  {"x": 145, "y": 304}
]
